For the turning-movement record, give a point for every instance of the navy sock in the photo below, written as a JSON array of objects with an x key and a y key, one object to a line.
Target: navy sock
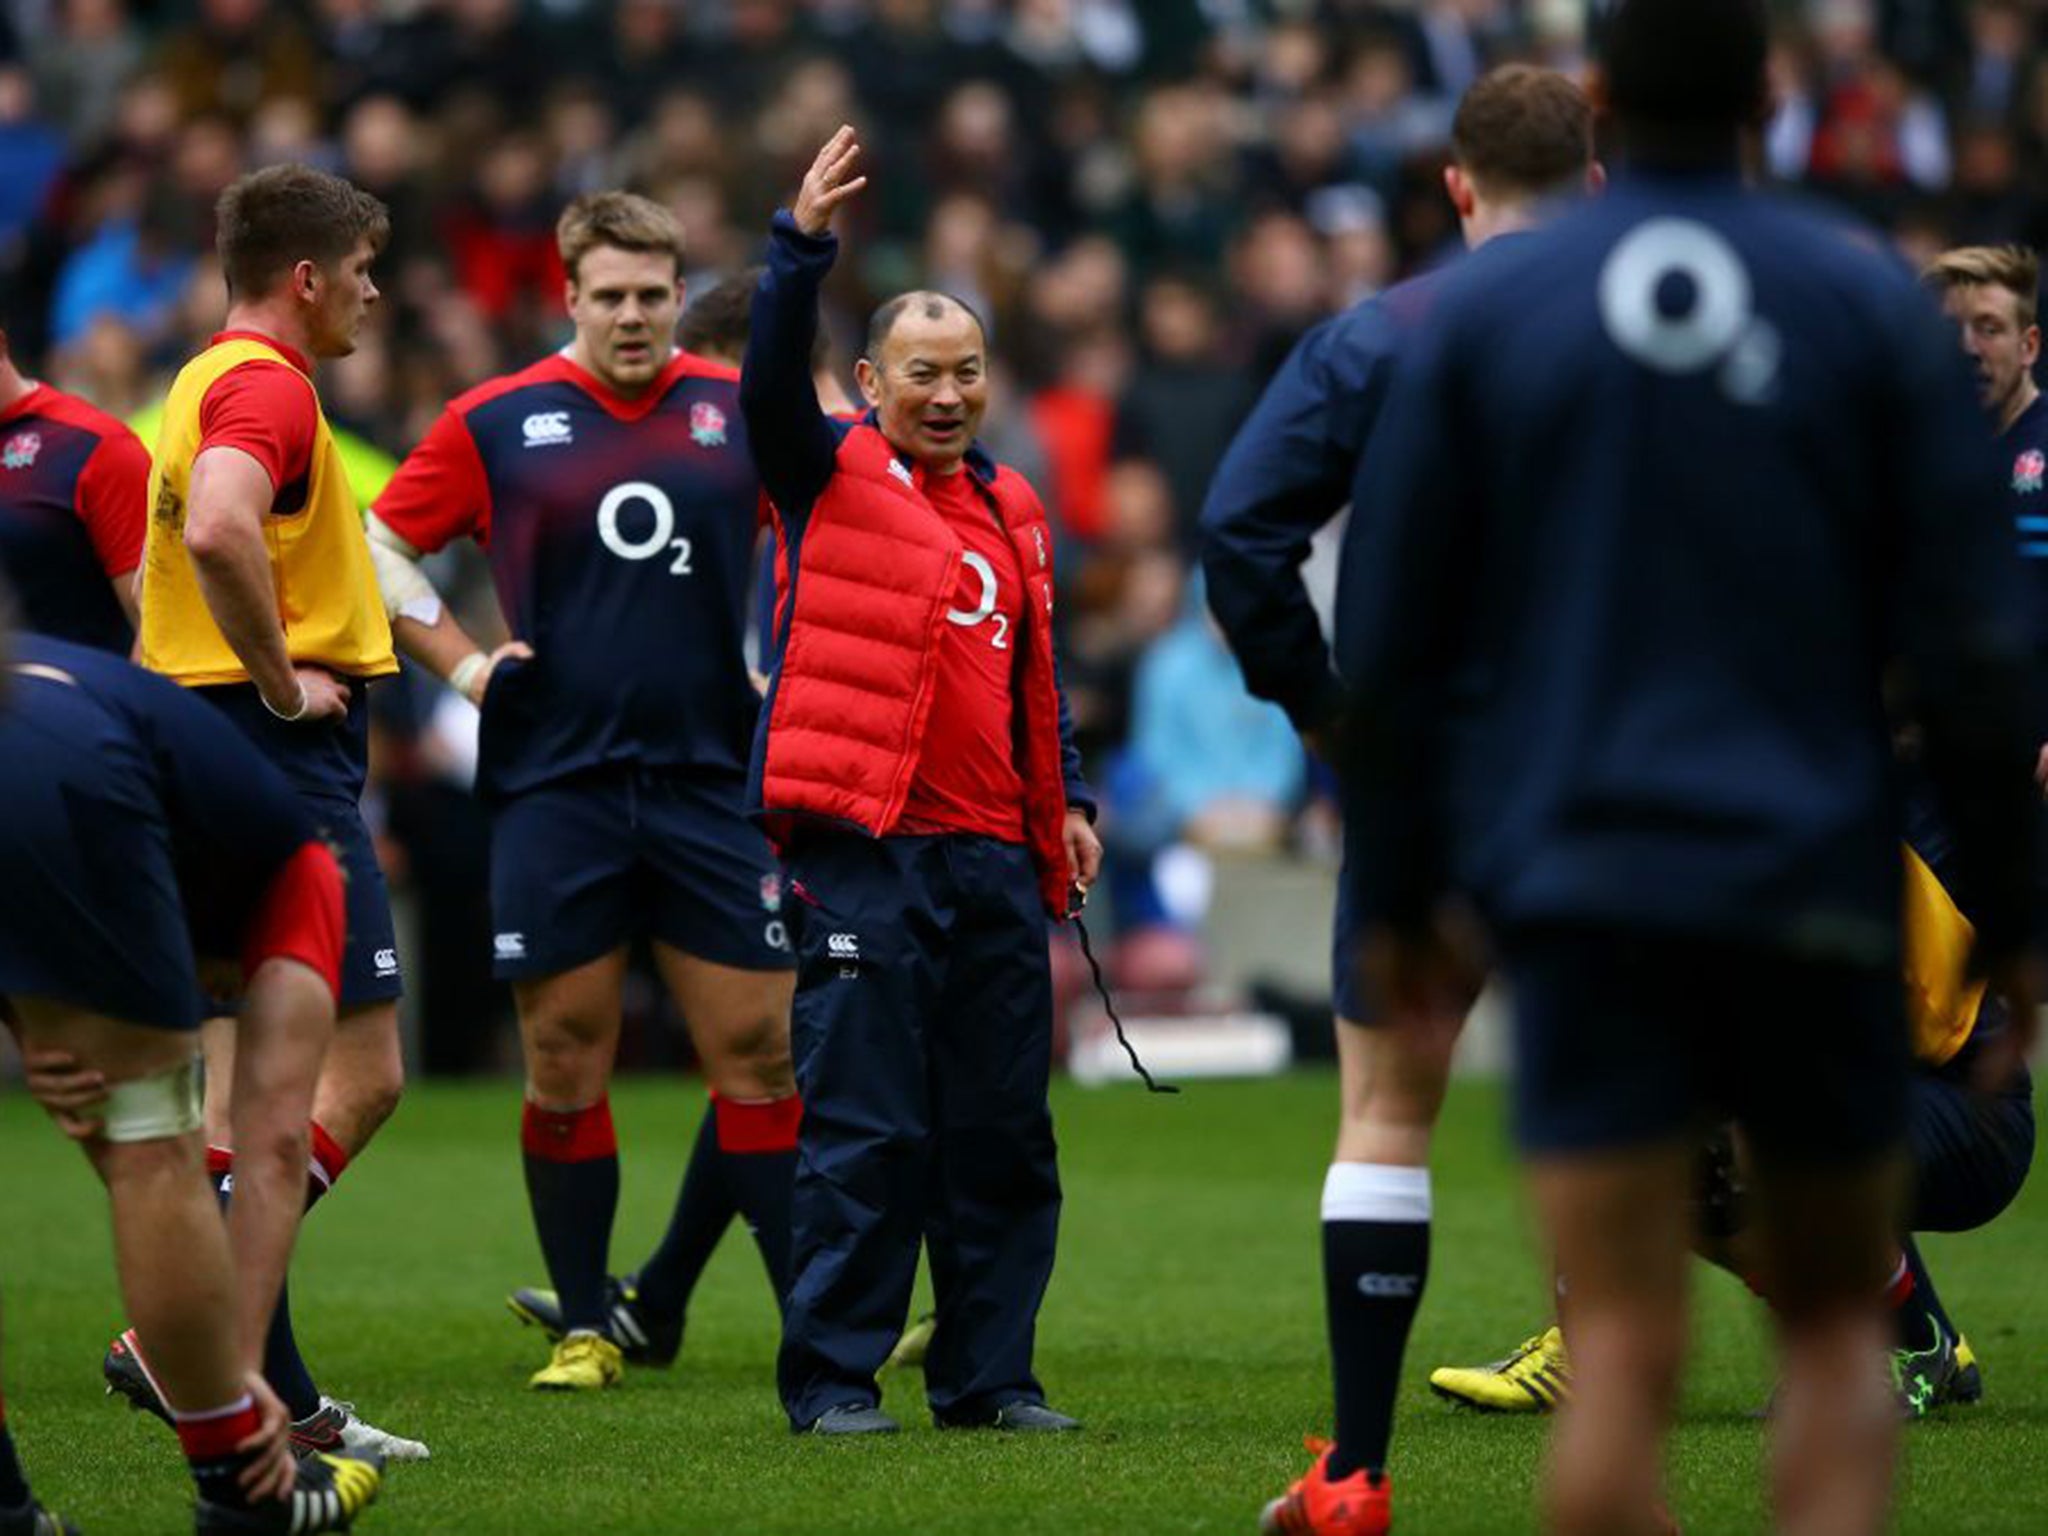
[
  {"x": 757, "y": 1149},
  {"x": 13, "y": 1481},
  {"x": 1920, "y": 1311},
  {"x": 704, "y": 1209},
  {"x": 572, "y": 1183},
  {"x": 283, "y": 1366},
  {"x": 1375, "y": 1262}
]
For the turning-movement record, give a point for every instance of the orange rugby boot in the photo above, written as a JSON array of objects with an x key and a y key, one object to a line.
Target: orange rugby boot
[{"x": 1358, "y": 1505}]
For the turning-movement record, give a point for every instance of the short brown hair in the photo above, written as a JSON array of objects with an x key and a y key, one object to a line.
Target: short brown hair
[
  {"x": 269, "y": 221},
  {"x": 1522, "y": 130},
  {"x": 623, "y": 220},
  {"x": 2014, "y": 268}
]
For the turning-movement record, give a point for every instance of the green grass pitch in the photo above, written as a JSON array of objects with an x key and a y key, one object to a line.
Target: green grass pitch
[{"x": 1184, "y": 1324}]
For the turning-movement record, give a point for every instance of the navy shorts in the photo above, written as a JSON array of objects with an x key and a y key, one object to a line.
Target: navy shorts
[
  {"x": 327, "y": 764},
  {"x": 1971, "y": 1149},
  {"x": 90, "y": 914},
  {"x": 600, "y": 858},
  {"x": 1625, "y": 1038}
]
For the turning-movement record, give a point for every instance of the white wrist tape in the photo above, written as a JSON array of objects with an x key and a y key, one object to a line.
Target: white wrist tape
[
  {"x": 155, "y": 1108},
  {"x": 466, "y": 671},
  {"x": 406, "y": 591}
]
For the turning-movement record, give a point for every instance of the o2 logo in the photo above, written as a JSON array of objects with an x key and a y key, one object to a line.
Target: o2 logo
[
  {"x": 1675, "y": 296},
  {"x": 985, "y": 609},
  {"x": 649, "y": 538}
]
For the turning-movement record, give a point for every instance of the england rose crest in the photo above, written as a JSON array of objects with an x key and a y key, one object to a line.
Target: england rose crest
[
  {"x": 2028, "y": 470},
  {"x": 21, "y": 450},
  {"x": 707, "y": 425}
]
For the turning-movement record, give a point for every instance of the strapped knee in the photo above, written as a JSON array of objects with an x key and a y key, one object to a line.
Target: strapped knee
[{"x": 158, "y": 1107}]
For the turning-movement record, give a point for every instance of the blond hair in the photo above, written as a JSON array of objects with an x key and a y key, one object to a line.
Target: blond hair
[
  {"x": 2015, "y": 268},
  {"x": 623, "y": 220}
]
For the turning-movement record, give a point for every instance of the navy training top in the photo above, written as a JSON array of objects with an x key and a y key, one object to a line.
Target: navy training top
[
  {"x": 1666, "y": 490},
  {"x": 1287, "y": 474},
  {"x": 621, "y": 538}
]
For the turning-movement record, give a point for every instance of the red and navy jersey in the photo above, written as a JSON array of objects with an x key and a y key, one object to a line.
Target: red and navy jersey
[
  {"x": 2023, "y": 455},
  {"x": 621, "y": 535},
  {"x": 73, "y": 486}
]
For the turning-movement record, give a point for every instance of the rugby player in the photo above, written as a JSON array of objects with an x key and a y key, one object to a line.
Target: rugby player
[
  {"x": 139, "y": 838},
  {"x": 1968, "y": 1148},
  {"x": 915, "y": 766},
  {"x": 612, "y": 487},
  {"x": 73, "y": 485},
  {"x": 258, "y": 594},
  {"x": 1993, "y": 293},
  {"x": 1638, "y": 719},
  {"x": 1522, "y": 145},
  {"x": 713, "y": 327}
]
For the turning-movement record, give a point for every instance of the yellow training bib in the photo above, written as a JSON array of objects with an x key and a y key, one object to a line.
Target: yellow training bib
[{"x": 327, "y": 595}]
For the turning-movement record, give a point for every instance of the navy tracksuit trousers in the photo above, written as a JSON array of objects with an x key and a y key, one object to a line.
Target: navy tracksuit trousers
[{"x": 922, "y": 1036}]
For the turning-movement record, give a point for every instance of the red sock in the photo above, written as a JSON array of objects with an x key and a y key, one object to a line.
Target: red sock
[
  {"x": 1899, "y": 1289},
  {"x": 758, "y": 1125},
  {"x": 569, "y": 1135},
  {"x": 325, "y": 1159},
  {"x": 214, "y": 1434}
]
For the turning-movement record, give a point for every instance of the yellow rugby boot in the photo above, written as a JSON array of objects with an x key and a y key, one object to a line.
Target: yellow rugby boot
[
  {"x": 583, "y": 1362},
  {"x": 1533, "y": 1379}
]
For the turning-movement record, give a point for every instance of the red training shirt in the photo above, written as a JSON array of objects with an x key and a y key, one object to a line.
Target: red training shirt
[
  {"x": 267, "y": 410},
  {"x": 967, "y": 778}
]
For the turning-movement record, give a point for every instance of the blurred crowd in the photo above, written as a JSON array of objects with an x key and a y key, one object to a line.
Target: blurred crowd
[{"x": 1150, "y": 200}]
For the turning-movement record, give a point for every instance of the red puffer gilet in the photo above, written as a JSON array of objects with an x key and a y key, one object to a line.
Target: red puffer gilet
[{"x": 862, "y": 590}]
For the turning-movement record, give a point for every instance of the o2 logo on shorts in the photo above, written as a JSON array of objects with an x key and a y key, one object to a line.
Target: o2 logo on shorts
[
  {"x": 1675, "y": 296},
  {"x": 648, "y": 531},
  {"x": 985, "y": 609}
]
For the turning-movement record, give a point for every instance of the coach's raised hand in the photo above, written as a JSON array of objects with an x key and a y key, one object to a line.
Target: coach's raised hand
[{"x": 828, "y": 183}]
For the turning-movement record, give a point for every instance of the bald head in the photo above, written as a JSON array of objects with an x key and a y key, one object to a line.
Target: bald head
[
  {"x": 926, "y": 375},
  {"x": 924, "y": 304}
]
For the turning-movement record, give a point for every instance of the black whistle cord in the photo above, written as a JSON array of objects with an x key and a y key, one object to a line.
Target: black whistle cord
[{"x": 1102, "y": 990}]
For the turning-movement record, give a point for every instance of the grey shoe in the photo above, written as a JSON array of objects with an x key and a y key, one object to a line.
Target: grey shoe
[
  {"x": 854, "y": 1419},
  {"x": 1033, "y": 1419}
]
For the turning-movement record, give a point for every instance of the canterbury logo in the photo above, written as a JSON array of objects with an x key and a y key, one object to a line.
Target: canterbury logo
[
  {"x": 1389, "y": 1287},
  {"x": 510, "y": 946},
  {"x": 843, "y": 946},
  {"x": 544, "y": 427}
]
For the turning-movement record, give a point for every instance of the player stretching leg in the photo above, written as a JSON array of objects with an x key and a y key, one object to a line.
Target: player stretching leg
[
  {"x": 252, "y": 525},
  {"x": 1522, "y": 141},
  {"x": 104, "y": 767},
  {"x": 612, "y": 486}
]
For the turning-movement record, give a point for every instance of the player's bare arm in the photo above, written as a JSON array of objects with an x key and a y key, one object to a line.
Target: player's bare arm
[
  {"x": 231, "y": 494},
  {"x": 421, "y": 624}
]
